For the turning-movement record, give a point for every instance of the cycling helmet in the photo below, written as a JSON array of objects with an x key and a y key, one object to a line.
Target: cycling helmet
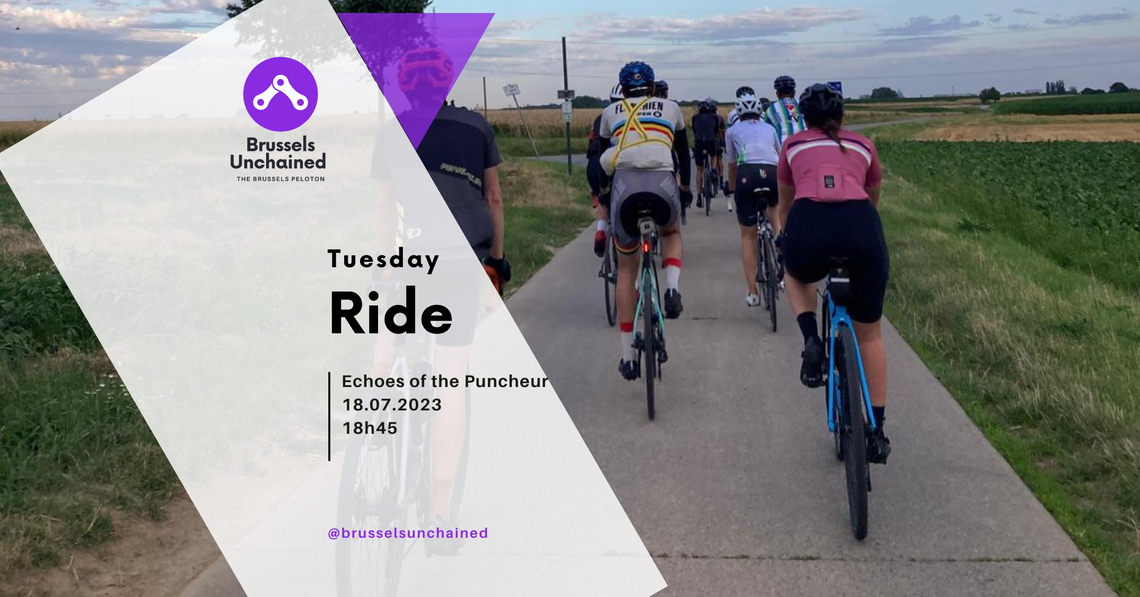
[
  {"x": 707, "y": 105},
  {"x": 615, "y": 94},
  {"x": 427, "y": 66},
  {"x": 661, "y": 89},
  {"x": 765, "y": 103},
  {"x": 748, "y": 105},
  {"x": 636, "y": 76},
  {"x": 820, "y": 102},
  {"x": 784, "y": 83},
  {"x": 744, "y": 90}
]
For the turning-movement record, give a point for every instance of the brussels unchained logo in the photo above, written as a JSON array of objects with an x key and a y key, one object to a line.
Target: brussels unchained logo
[{"x": 280, "y": 94}]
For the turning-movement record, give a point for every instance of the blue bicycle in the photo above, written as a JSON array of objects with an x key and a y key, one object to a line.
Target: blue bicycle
[
  {"x": 649, "y": 343},
  {"x": 849, "y": 416}
]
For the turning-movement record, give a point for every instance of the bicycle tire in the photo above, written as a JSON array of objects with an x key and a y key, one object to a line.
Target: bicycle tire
[
  {"x": 773, "y": 284},
  {"x": 835, "y": 415},
  {"x": 854, "y": 434},
  {"x": 609, "y": 283},
  {"x": 761, "y": 268},
  {"x": 649, "y": 340},
  {"x": 349, "y": 516}
]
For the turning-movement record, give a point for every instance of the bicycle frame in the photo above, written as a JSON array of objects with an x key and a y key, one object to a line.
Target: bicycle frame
[
  {"x": 837, "y": 315},
  {"x": 648, "y": 283}
]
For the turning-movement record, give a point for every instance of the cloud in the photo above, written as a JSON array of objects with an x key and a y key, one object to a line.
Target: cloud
[
  {"x": 993, "y": 18},
  {"x": 1090, "y": 19},
  {"x": 508, "y": 27},
  {"x": 1025, "y": 11},
  {"x": 30, "y": 18},
  {"x": 1017, "y": 27},
  {"x": 752, "y": 24},
  {"x": 928, "y": 26},
  {"x": 188, "y": 6}
]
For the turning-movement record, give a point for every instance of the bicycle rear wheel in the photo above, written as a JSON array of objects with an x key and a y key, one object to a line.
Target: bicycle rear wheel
[
  {"x": 771, "y": 288},
  {"x": 649, "y": 339},
  {"x": 609, "y": 282},
  {"x": 368, "y": 487},
  {"x": 852, "y": 432}
]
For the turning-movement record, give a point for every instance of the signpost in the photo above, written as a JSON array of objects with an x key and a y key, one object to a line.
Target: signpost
[
  {"x": 836, "y": 86},
  {"x": 512, "y": 90},
  {"x": 567, "y": 96}
]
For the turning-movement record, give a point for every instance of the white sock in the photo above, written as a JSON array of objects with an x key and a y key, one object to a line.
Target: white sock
[
  {"x": 672, "y": 274},
  {"x": 627, "y": 346},
  {"x": 602, "y": 225}
]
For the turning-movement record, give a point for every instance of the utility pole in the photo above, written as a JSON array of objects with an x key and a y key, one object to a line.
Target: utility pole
[
  {"x": 484, "y": 97},
  {"x": 569, "y": 99}
]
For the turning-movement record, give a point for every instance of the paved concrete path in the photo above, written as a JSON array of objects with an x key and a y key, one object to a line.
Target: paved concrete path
[{"x": 735, "y": 488}]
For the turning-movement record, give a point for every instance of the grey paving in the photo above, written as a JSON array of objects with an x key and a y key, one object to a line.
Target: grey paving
[{"x": 735, "y": 488}]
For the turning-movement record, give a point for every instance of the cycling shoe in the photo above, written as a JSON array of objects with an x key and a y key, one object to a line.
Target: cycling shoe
[
  {"x": 673, "y": 305},
  {"x": 878, "y": 447},
  {"x": 811, "y": 371},
  {"x": 630, "y": 370}
]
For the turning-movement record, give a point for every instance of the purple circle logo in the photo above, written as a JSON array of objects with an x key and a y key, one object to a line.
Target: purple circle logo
[{"x": 280, "y": 94}]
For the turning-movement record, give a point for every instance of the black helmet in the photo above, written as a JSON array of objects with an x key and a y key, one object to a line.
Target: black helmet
[
  {"x": 661, "y": 89},
  {"x": 784, "y": 83},
  {"x": 744, "y": 90},
  {"x": 820, "y": 102}
]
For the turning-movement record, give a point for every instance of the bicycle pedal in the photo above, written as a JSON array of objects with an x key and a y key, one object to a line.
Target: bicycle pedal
[{"x": 663, "y": 356}]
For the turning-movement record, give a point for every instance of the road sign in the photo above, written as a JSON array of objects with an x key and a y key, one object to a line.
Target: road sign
[
  {"x": 836, "y": 86},
  {"x": 511, "y": 90},
  {"x": 565, "y": 94},
  {"x": 567, "y": 111}
]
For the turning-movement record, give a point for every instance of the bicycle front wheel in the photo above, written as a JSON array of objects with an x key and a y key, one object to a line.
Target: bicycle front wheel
[
  {"x": 853, "y": 433},
  {"x": 773, "y": 285}
]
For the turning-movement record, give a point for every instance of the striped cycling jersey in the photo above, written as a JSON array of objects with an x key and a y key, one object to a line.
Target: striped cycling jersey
[
  {"x": 649, "y": 145},
  {"x": 752, "y": 142},
  {"x": 784, "y": 114},
  {"x": 823, "y": 170}
]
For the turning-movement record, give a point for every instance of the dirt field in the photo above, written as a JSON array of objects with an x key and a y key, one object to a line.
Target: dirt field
[
  {"x": 1036, "y": 128},
  {"x": 149, "y": 559}
]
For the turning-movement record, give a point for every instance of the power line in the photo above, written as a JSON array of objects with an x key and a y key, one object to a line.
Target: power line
[
  {"x": 777, "y": 42},
  {"x": 845, "y": 78}
]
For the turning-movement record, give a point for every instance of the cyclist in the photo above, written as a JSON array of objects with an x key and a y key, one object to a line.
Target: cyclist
[
  {"x": 599, "y": 182},
  {"x": 458, "y": 151},
  {"x": 784, "y": 113},
  {"x": 741, "y": 91},
  {"x": 753, "y": 153},
  {"x": 829, "y": 181},
  {"x": 645, "y": 132},
  {"x": 708, "y": 127}
]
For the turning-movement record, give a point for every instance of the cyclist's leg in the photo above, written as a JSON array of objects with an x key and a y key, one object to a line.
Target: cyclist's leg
[
  {"x": 869, "y": 273},
  {"x": 807, "y": 245},
  {"x": 747, "y": 215},
  {"x": 626, "y": 242}
]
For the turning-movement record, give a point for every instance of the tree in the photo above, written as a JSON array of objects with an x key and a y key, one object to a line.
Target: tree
[
  {"x": 233, "y": 10},
  {"x": 589, "y": 101},
  {"x": 1118, "y": 87},
  {"x": 884, "y": 93},
  {"x": 1091, "y": 91},
  {"x": 989, "y": 95}
]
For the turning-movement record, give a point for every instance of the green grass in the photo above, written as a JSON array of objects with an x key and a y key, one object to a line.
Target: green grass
[
  {"x": 1106, "y": 103},
  {"x": 521, "y": 147},
  {"x": 73, "y": 446},
  {"x": 1040, "y": 355},
  {"x": 544, "y": 211}
]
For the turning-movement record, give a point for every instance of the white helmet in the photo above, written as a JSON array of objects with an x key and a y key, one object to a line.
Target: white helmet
[
  {"x": 616, "y": 93},
  {"x": 747, "y": 104}
]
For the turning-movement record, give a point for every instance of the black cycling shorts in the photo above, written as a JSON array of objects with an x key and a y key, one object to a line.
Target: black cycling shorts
[
  {"x": 750, "y": 199},
  {"x": 817, "y": 232},
  {"x": 597, "y": 178},
  {"x": 703, "y": 150}
]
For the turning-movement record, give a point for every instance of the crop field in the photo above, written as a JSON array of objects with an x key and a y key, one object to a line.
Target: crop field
[
  {"x": 1107, "y": 103},
  {"x": 12, "y": 132},
  {"x": 1014, "y": 277}
]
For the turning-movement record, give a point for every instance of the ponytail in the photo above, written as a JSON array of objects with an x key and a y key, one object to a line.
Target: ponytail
[{"x": 830, "y": 127}]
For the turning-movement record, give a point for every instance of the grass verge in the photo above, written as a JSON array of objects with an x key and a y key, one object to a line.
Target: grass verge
[
  {"x": 520, "y": 147},
  {"x": 544, "y": 211},
  {"x": 1042, "y": 358}
]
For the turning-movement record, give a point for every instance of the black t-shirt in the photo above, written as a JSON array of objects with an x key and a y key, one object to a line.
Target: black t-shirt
[
  {"x": 457, "y": 148},
  {"x": 598, "y": 144},
  {"x": 706, "y": 126}
]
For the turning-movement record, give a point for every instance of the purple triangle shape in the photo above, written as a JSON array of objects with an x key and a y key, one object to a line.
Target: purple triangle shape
[{"x": 384, "y": 38}]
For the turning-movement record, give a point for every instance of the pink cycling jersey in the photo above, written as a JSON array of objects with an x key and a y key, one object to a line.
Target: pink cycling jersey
[{"x": 821, "y": 171}]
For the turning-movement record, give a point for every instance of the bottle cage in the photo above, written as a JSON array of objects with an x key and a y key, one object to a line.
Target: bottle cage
[{"x": 632, "y": 122}]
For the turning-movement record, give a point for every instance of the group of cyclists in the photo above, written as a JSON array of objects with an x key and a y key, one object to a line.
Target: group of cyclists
[{"x": 789, "y": 163}]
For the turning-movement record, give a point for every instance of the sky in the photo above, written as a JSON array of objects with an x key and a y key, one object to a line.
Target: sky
[{"x": 57, "y": 54}]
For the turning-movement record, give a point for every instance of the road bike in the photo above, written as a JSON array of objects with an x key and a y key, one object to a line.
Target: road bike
[
  {"x": 709, "y": 183},
  {"x": 849, "y": 416},
  {"x": 386, "y": 477},
  {"x": 608, "y": 274},
  {"x": 767, "y": 272},
  {"x": 650, "y": 342}
]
